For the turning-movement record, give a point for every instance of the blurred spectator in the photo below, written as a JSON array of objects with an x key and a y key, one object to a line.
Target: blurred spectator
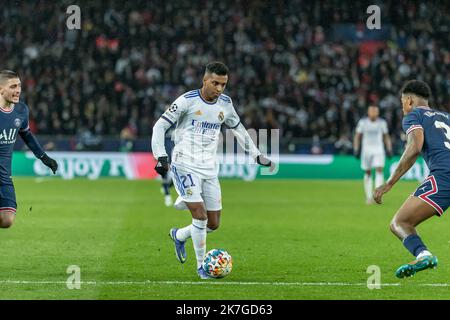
[
  {"x": 49, "y": 146},
  {"x": 343, "y": 145},
  {"x": 87, "y": 141},
  {"x": 127, "y": 137},
  {"x": 316, "y": 147}
]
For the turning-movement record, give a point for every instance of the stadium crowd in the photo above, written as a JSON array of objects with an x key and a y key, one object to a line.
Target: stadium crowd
[{"x": 116, "y": 75}]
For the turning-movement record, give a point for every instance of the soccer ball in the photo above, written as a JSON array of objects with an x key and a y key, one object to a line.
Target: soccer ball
[{"x": 217, "y": 263}]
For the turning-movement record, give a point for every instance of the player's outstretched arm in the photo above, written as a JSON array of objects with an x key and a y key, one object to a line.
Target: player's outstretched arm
[
  {"x": 413, "y": 148},
  {"x": 246, "y": 142},
  {"x": 158, "y": 148},
  {"x": 32, "y": 143}
]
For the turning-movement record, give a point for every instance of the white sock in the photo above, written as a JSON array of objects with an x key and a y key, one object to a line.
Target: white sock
[
  {"x": 184, "y": 233},
  {"x": 379, "y": 179},
  {"x": 368, "y": 186},
  {"x": 423, "y": 254},
  {"x": 198, "y": 234}
]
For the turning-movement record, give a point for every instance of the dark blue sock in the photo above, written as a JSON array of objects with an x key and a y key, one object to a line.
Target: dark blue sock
[
  {"x": 166, "y": 187},
  {"x": 414, "y": 244}
]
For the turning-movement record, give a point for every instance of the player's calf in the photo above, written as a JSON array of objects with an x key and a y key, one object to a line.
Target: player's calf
[
  {"x": 7, "y": 219},
  {"x": 405, "y": 230},
  {"x": 197, "y": 210},
  {"x": 213, "y": 221}
]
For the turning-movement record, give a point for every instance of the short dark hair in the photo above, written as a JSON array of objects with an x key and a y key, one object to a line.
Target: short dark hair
[
  {"x": 217, "y": 67},
  {"x": 7, "y": 74},
  {"x": 418, "y": 88}
]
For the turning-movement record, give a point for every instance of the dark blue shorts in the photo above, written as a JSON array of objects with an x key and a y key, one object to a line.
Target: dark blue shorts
[
  {"x": 7, "y": 198},
  {"x": 435, "y": 191}
]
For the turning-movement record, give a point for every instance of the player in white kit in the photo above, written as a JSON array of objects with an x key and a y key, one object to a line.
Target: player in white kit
[
  {"x": 374, "y": 133},
  {"x": 199, "y": 115}
]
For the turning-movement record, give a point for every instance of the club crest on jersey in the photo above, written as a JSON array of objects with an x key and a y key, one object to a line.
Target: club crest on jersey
[
  {"x": 173, "y": 108},
  {"x": 199, "y": 113},
  {"x": 17, "y": 122},
  {"x": 221, "y": 116}
]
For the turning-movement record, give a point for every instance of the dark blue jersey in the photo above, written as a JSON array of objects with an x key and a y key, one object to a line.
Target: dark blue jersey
[
  {"x": 436, "y": 129},
  {"x": 11, "y": 123}
]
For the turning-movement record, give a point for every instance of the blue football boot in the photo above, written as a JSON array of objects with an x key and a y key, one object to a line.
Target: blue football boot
[
  {"x": 202, "y": 273},
  {"x": 180, "y": 250},
  {"x": 408, "y": 270}
]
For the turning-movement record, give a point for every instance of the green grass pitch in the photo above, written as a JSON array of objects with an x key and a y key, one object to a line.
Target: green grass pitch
[{"x": 289, "y": 240}]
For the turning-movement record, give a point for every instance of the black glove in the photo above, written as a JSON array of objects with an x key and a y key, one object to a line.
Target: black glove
[
  {"x": 162, "y": 166},
  {"x": 263, "y": 161},
  {"x": 49, "y": 162},
  {"x": 357, "y": 154}
]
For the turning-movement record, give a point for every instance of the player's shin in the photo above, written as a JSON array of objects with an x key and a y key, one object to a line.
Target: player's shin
[
  {"x": 198, "y": 233},
  {"x": 379, "y": 179},
  {"x": 368, "y": 186},
  {"x": 166, "y": 188}
]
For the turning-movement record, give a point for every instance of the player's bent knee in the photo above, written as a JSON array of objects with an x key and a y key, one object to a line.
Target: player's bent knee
[
  {"x": 6, "y": 219},
  {"x": 6, "y": 224},
  {"x": 213, "y": 226},
  {"x": 400, "y": 227},
  {"x": 401, "y": 220},
  {"x": 393, "y": 227},
  {"x": 213, "y": 220}
]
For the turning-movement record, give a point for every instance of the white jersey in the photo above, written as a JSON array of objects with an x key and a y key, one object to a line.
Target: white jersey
[
  {"x": 372, "y": 135},
  {"x": 198, "y": 126}
]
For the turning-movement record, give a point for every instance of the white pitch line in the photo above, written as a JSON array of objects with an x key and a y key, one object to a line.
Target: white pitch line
[
  {"x": 210, "y": 282},
  {"x": 435, "y": 284}
]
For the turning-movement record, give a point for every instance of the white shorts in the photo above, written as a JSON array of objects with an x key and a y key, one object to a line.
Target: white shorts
[
  {"x": 370, "y": 160},
  {"x": 191, "y": 188}
]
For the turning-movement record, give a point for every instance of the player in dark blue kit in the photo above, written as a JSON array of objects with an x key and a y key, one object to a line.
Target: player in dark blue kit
[
  {"x": 428, "y": 131},
  {"x": 14, "y": 121}
]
